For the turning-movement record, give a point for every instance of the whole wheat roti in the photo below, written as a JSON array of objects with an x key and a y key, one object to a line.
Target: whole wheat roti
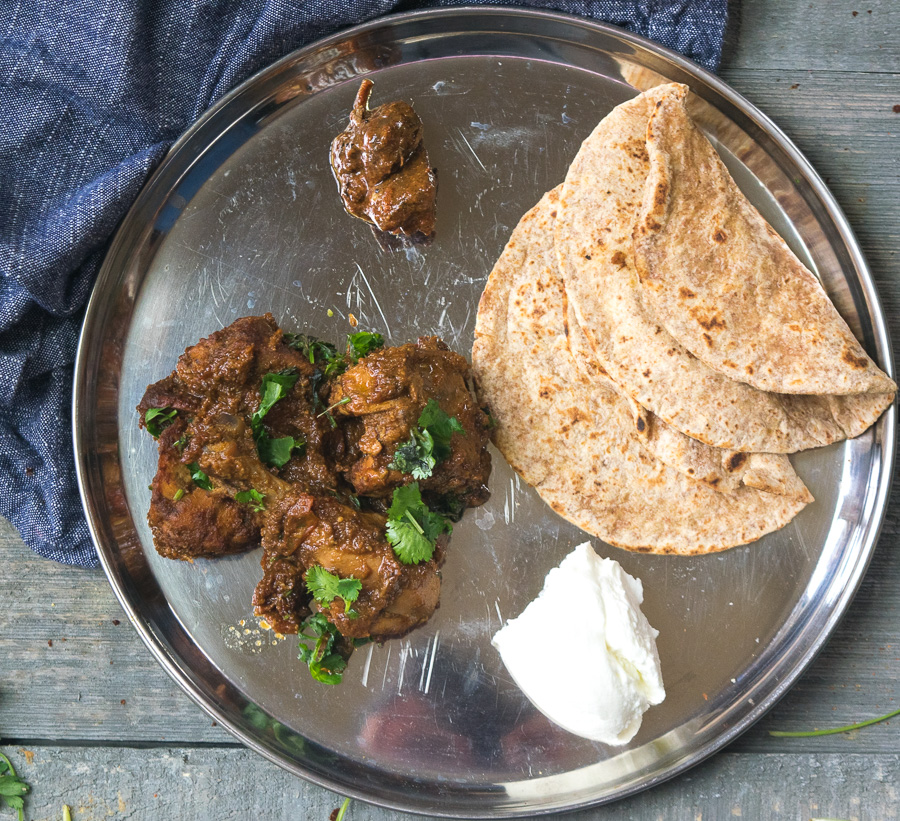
[
  {"x": 600, "y": 199},
  {"x": 722, "y": 470},
  {"x": 721, "y": 281},
  {"x": 571, "y": 438}
]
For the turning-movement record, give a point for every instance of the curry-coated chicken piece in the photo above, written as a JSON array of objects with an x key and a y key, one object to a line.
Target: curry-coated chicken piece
[
  {"x": 382, "y": 168},
  {"x": 302, "y": 531},
  {"x": 209, "y": 453},
  {"x": 189, "y": 522},
  {"x": 378, "y": 404}
]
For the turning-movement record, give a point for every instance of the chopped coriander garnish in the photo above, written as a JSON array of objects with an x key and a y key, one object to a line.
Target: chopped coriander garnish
[
  {"x": 440, "y": 423},
  {"x": 12, "y": 788},
  {"x": 199, "y": 477},
  {"x": 325, "y": 664},
  {"x": 274, "y": 386},
  {"x": 315, "y": 349},
  {"x": 252, "y": 497},
  {"x": 274, "y": 452},
  {"x": 179, "y": 495},
  {"x": 158, "y": 419},
  {"x": 362, "y": 344},
  {"x": 180, "y": 443},
  {"x": 415, "y": 457},
  {"x": 321, "y": 353},
  {"x": 326, "y": 587},
  {"x": 412, "y": 529},
  {"x": 429, "y": 444}
]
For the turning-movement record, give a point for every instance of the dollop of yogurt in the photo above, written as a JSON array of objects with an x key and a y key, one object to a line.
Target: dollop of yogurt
[{"x": 583, "y": 651}]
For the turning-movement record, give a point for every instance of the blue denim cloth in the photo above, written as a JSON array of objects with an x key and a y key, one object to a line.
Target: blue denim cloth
[{"x": 92, "y": 94}]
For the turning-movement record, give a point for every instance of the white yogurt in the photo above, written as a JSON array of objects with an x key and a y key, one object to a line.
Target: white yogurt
[{"x": 583, "y": 651}]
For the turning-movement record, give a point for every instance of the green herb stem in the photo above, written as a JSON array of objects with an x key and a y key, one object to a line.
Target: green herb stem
[
  {"x": 833, "y": 731},
  {"x": 12, "y": 770},
  {"x": 340, "y": 402},
  {"x": 415, "y": 524},
  {"x": 343, "y": 811}
]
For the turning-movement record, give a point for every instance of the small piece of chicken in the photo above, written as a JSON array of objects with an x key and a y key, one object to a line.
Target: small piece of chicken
[
  {"x": 382, "y": 168},
  {"x": 303, "y": 531},
  {"x": 383, "y": 396},
  {"x": 215, "y": 390},
  {"x": 189, "y": 522}
]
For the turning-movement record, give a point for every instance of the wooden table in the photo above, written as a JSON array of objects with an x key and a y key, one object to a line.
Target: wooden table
[{"x": 92, "y": 721}]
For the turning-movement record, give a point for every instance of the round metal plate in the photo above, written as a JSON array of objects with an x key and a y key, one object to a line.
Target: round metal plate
[{"x": 243, "y": 217}]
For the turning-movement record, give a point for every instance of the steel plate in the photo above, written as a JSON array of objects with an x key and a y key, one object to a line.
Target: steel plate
[{"x": 243, "y": 217}]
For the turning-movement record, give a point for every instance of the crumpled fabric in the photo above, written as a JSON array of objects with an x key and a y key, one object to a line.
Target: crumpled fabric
[{"x": 92, "y": 94}]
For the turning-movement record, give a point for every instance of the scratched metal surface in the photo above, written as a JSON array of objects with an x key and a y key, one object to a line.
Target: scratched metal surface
[{"x": 244, "y": 218}]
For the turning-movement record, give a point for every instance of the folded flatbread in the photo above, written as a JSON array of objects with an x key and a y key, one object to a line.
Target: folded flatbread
[
  {"x": 721, "y": 281},
  {"x": 722, "y": 470},
  {"x": 574, "y": 438},
  {"x": 599, "y": 203}
]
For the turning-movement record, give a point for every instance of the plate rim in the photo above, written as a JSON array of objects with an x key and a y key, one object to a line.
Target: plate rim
[{"x": 861, "y": 274}]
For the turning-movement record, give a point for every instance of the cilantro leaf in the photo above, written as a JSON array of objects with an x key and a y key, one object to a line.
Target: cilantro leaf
[
  {"x": 325, "y": 664},
  {"x": 326, "y": 587},
  {"x": 252, "y": 497},
  {"x": 429, "y": 444},
  {"x": 12, "y": 788},
  {"x": 415, "y": 457},
  {"x": 409, "y": 542},
  {"x": 406, "y": 497},
  {"x": 329, "y": 669},
  {"x": 320, "y": 353},
  {"x": 315, "y": 349},
  {"x": 156, "y": 420},
  {"x": 199, "y": 477},
  {"x": 274, "y": 386},
  {"x": 441, "y": 426},
  {"x": 412, "y": 529},
  {"x": 274, "y": 452},
  {"x": 277, "y": 452},
  {"x": 362, "y": 344}
]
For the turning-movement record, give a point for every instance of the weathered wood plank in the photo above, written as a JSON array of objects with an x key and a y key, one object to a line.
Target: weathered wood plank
[
  {"x": 844, "y": 35},
  {"x": 217, "y": 784},
  {"x": 96, "y": 680}
]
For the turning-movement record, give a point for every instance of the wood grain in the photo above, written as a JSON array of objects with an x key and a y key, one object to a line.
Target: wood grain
[
  {"x": 833, "y": 35},
  {"x": 221, "y": 785},
  {"x": 66, "y": 666}
]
